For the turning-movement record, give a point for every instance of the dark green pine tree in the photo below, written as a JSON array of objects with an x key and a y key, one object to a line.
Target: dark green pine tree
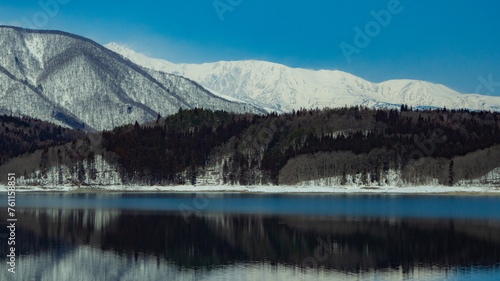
[{"x": 451, "y": 174}]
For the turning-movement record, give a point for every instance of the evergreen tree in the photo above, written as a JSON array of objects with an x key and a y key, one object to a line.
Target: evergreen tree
[{"x": 451, "y": 174}]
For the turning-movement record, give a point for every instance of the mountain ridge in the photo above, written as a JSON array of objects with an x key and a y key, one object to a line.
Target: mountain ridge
[
  {"x": 281, "y": 88},
  {"x": 75, "y": 82}
]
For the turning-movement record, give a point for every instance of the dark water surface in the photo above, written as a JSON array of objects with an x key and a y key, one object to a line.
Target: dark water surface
[{"x": 227, "y": 236}]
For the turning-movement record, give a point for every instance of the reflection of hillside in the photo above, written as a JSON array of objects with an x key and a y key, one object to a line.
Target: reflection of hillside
[
  {"x": 217, "y": 239},
  {"x": 482, "y": 230},
  {"x": 57, "y": 230},
  {"x": 86, "y": 263}
]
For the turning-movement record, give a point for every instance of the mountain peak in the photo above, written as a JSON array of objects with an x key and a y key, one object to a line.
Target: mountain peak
[
  {"x": 74, "y": 82},
  {"x": 281, "y": 88}
]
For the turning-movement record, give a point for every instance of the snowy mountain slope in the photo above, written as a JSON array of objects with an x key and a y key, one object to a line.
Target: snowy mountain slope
[
  {"x": 281, "y": 88},
  {"x": 75, "y": 82}
]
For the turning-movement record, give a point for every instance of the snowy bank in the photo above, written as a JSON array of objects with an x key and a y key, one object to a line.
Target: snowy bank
[{"x": 266, "y": 189}]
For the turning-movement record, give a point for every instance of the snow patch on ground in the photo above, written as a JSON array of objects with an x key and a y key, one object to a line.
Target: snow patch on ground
[
  {"x": 265, "y": 189},
  {"x": 492, "y": 178},
  {"x": 63, "y": 175},
  {"x": 35, "y": 45}
]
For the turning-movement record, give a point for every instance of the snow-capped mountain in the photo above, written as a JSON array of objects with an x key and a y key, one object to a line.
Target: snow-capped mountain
[
  {"x": 281, "y": 88},
  {"x": 72, "y": 81}
]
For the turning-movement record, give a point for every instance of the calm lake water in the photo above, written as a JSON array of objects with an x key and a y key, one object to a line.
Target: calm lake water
[{"x": 225, "y": 236}]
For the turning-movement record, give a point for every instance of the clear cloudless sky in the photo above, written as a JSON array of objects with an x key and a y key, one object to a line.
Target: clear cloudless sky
[{"x": 448, "y": 42}]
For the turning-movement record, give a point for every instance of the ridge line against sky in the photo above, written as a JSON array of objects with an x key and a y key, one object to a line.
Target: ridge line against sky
[
  {"x": 454, "y": 43},
  {"x": 128, "y": 51}
]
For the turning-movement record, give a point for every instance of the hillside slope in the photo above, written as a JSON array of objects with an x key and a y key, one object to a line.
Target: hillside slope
[{"x": 72, "y": 81}]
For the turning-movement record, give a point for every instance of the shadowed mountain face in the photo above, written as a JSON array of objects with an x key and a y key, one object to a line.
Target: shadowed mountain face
[{"x": 75, "y": 82}]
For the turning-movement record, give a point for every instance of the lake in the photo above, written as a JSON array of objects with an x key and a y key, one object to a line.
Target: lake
[{"x": 229, "y": 236}]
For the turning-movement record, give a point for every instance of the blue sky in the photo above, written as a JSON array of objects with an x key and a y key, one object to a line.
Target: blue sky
[{"x": 455, "y": 43}]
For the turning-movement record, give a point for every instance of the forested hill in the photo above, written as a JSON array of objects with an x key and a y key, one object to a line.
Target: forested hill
[
  {"x": 342, "y": 146},
  {"x": 26, "y": 135}
]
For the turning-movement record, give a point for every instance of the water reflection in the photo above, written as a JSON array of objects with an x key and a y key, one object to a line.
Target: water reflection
[
  {"x": 103, "y": 244},
  {"x": 384, "y": 206}
]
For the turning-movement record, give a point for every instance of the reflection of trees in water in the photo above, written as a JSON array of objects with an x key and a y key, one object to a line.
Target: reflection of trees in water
[{"x": 217, "y": 239}]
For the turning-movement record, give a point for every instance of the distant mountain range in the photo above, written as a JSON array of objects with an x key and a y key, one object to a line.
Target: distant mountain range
[
  {"x": 74, "y": 82},
  {"x": 276, "y": 87}
]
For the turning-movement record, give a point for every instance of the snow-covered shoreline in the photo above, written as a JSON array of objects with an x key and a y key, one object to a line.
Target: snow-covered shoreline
[{"x": 268, "y": 189}]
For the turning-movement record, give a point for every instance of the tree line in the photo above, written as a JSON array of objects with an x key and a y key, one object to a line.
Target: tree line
[
  {"x": 25, "y": 135},
  {"x": 254, "y": 149},
  {"x": 350, "y": 145}
]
